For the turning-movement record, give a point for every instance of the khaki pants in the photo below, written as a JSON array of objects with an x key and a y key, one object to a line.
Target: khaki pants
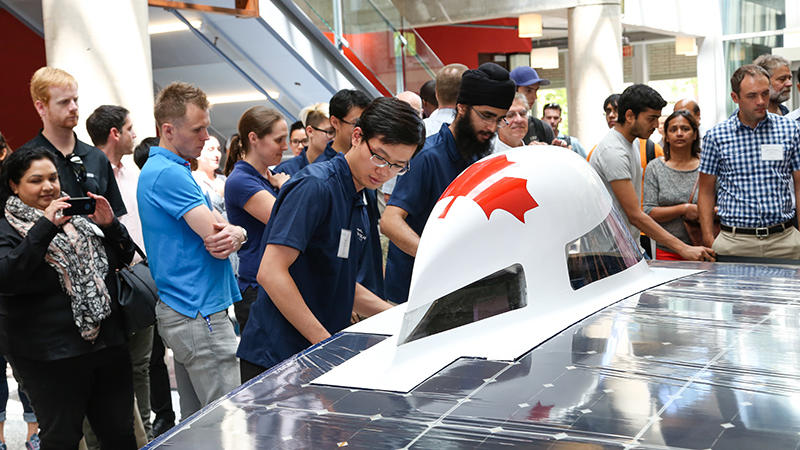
[{"x": 785, "y": 245}]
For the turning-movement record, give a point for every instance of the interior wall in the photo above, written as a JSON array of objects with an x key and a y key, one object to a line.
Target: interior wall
[
  {"x": 22, "y": 53},
  {"x": 463, "y": 44}
]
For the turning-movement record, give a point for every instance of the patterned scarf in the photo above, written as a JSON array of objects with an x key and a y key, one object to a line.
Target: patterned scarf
[{"x": 79, "y": 258}]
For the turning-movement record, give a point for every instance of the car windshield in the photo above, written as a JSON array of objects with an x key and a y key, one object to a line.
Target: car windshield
[{"x": 605, "y": 250}]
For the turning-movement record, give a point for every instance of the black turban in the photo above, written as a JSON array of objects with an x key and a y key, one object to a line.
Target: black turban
[{"x": 487, "y": 85}]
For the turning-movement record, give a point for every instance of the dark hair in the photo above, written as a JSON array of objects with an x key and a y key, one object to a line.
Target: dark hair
[
  {"x": 142, "y": 151},
  {"x": 686, "y": 114},
  {"x": 392, "y": 121},
  {"x": 748, "y": 69},
  {"x": 4, "y": 148},
  {"x": 259, "y": 120},
  {"x": 102, "y": 120},
  {"x": 612, "y": 100},
  {"x": 637, "y": 98},
  {"x": 15, "y": 166},
  {"x": 552, "y": 106},
  {"x": 297, "y": 126},
  {"x": 428, "y": 92},
  {"x": 343, "y": 101}
]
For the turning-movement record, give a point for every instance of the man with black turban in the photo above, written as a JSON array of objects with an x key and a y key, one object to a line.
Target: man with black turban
[{"x": 483, "y": 100}]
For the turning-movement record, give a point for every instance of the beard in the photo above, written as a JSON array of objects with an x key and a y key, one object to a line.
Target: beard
[
  {"x": 779, "y": 96},
  {"x": 467, "y": 141}
]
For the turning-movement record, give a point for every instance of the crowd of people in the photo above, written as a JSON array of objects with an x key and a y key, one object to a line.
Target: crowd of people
[{"x": 294, "y": 247}]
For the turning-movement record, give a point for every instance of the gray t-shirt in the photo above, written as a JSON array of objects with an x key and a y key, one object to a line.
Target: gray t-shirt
[
  {"x": 665, "y": 186},
  {"x": 614, "y": 159}
]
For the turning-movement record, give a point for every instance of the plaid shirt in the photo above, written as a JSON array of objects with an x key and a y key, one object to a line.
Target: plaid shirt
[{"x": 752, "y": 193}]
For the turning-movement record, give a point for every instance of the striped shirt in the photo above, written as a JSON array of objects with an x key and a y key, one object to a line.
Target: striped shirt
[{"x": 753, "y": 192}]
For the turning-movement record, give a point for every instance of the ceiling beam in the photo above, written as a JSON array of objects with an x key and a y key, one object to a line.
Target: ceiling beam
[{"x": 244, "y": 8}]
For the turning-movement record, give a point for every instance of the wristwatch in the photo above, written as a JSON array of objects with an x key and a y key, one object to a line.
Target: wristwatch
[{"x": 244, "y": 232}]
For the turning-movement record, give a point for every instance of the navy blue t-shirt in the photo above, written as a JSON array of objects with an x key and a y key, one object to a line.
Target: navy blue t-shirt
[
  {"x": 294, "y": 165},
  {"x": 242, "y": 184},
  {"x": 310, "y": 214},
  {"x": 432, "y": 170}
]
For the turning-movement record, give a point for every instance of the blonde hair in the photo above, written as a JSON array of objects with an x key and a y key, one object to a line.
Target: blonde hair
[
  {"x": 45, "y": 77},
  {"x": 315, "y": 114},
  {"x": 172, "y": 100}
]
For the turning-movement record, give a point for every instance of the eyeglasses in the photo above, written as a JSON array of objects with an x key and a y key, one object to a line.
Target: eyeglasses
[
  {"x": 500, "y": 122},
  {"x": 76, "y": 163},
  {"x": 328, "y": 133},
  {"x": 349, "y": 123},
  {"x": 511, "y": 114},
  {"x": 304, "y": 142},
  {"x": 380, "y": 161},
  {"x": 552, "y": 106}
]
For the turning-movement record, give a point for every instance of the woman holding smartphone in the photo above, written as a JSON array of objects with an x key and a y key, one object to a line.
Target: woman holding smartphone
[{"x": 60, "y": 324}]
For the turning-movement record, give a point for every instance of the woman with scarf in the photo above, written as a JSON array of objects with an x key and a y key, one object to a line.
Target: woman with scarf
[{"x": 60, "y": 325}]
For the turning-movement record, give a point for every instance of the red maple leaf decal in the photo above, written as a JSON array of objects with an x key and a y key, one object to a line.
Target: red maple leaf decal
[
  {"x": 481, "y": 183},
  {"x": 539, "y": 412}
]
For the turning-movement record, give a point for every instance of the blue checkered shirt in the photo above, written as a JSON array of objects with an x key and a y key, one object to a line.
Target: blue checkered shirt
[{"x": 752, "y": 193}]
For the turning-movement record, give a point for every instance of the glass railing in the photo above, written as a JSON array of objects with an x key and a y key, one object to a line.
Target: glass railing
[{"x": 375, "y": 38}]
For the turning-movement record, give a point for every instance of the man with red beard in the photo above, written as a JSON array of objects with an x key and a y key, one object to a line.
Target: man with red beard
[
  {"x": 483, "y": 101},
  {"x": 81, "y": 167}
]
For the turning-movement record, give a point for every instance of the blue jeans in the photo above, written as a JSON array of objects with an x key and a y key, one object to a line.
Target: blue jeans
[
  {"x": 27, "y": 412},
  {"x": 206, "y": 367}
]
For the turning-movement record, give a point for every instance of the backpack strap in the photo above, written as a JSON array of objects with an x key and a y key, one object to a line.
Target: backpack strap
[
  {"x": 539, "y": 130},
  {"x": 651, "y": 150}
]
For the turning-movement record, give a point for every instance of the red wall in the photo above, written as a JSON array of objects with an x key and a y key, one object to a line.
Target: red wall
[
  {"x": 462, "y": 44},
  {"x": 22, "y": 53}
]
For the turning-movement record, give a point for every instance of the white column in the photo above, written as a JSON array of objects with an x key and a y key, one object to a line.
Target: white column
[
  {"x": 641, "y": 69},
  {"x": 713, "y": 85},
  {"x": 595, "y": 66},
  {"x": 105, "y": 45}
]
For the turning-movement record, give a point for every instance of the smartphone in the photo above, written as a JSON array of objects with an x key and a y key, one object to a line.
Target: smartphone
[{"x": 80, "y": 206}]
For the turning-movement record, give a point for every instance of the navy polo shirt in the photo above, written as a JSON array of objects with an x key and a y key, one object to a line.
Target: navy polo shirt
[
  {"x": 99, "y": 175},
  {"x": 294, "y": 165},
  {"x": 310, "y": 213},
  {"x": 242, "y": 184},
  {"x": 432, "y": 170},
  {"x": 370, "y": 274}
]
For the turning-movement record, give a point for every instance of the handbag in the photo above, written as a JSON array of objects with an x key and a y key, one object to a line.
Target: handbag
[
  {"x": 693, "y": 226},
  {"x": 137, "y": 295}
]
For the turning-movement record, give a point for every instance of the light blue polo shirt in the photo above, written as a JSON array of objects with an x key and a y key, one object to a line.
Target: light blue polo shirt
[{"x": 188, "y": 278}]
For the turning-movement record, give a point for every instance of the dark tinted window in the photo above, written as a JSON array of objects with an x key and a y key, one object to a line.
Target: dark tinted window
[{"x": 495, "y": 294}]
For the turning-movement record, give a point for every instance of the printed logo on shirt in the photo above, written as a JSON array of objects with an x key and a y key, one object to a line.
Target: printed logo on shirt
[{"x": 361, "y": 235}]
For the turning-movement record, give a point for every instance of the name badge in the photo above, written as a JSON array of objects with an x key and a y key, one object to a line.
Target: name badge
[
  {"x": 344, "y": 244},
  {"x": 772, "y": 152}
]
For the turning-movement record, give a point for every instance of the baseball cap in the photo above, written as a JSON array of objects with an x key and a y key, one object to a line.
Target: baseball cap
[{"x": 526, "y": 76}]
